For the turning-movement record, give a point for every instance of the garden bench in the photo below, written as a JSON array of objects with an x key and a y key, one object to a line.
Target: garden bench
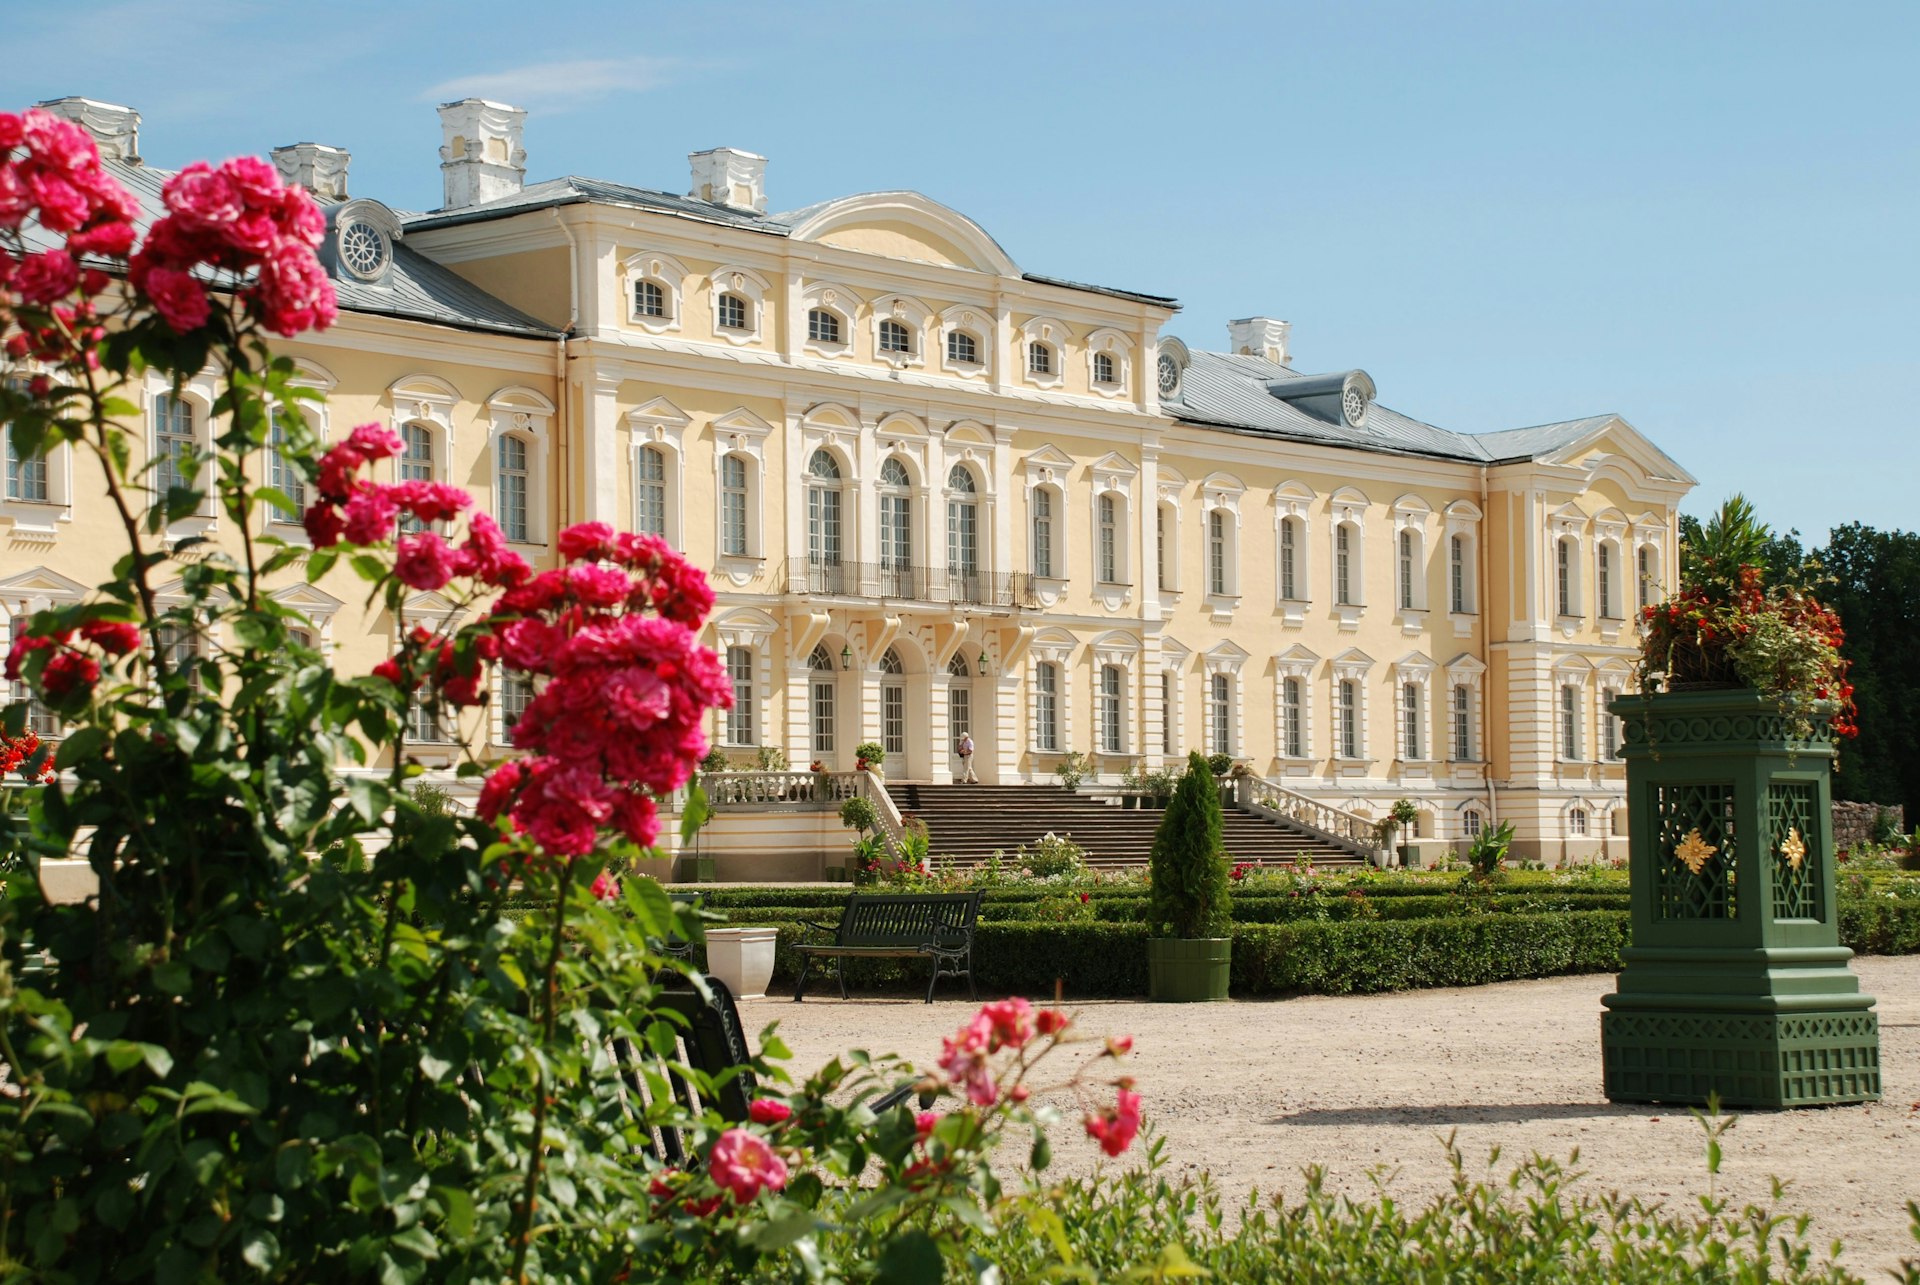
[
  {"x": 937, "y": 926},
  {"x": 677, "y": 947},
  {"x": 712, "y": 1042}
]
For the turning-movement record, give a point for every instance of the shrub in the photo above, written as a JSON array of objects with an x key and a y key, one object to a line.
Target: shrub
[
  {"x": 872, "y": 753},
  {"x": 1489, "y": 849},
  {"x": 715, "y": 760},
  {"x": 1073, "y": 768},
  {"x": 1054, "y": 855},
  {"x": 858, "y": 814},
  {"x": 1219, "y": 764},
  {"x": 770, "y": 758},
  {"x": 1188, "y": 866}
]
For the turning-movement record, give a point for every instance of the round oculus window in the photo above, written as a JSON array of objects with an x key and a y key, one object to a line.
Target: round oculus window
[
  {"x": 1169, "y": 375},
  {"x": 1354, "y": 403},
  {"x": 364, "y": 250}
]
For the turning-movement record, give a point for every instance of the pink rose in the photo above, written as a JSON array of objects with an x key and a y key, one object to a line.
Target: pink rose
[
  {"x": 203, "y": 196},
  {"x": 115, "y": 637},
  {"x": 424, "y": 562},
  {"x": 67, "y": 671},
  {"x": 605, "y": 887},
  {"x": 373, "y": 442},
  {"x": 769, "y": 1111},
  {"x": 56, "y": 142},
  {"x": 112, "y": 239},
  {"x": 63, "y": 207},
  {"x": 324, "y": 525},
  {"x": 1012, "y": 1021},
  {"x": 178, "y": 298},
  {"x": 10, "y": 130},
  {"x": 371, "y": 515},
  {"x": 44, "y": 277},
  {"x": 745, "y": 1165},
  {"x": 1114, "y": 1127},
  {"x": 586, "y": 541},
  {"x": 293, "y": 293}
]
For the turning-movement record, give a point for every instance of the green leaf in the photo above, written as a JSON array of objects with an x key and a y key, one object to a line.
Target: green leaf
[
  {"x": 458, "y": 1208},
  {"x": 173, "y": 977},
  {"x": 694, "y": 814},
  {"x": 911, "y": 1258},
  {"x": 82, "y": 744},
  {"x": 780, "y": 1232},
  {"x": 1042, "y": 1154}
]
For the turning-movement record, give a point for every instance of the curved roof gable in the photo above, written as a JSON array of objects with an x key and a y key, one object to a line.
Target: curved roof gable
[{"x": 902, "y": 225}]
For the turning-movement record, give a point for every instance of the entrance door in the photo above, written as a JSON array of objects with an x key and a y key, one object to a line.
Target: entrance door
[{"x": 893, "y": 720}]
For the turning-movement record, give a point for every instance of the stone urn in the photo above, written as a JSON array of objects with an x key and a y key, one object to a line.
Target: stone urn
[
  {"x": 742, "y": 958},
  {"x": 1736, "y": 983}
]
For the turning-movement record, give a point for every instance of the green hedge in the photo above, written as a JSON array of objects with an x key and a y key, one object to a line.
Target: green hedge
[{"x": 1386, "y": 955}]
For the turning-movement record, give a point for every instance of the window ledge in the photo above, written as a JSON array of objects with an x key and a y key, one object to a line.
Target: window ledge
[
  {"x": 1223, "y": 605},
  {"x": 1412, "y": 620},
  {"x": 1348, "y": 614},
  {"x": 1045, "y": 381},
  {"x": 1463, "y": 622},
  {"x": 654, "y": 325},
  {"x": 1293, "y": 611},
  {"x": 1569, "y": 625},
  {"x": 824, "y": 349}
]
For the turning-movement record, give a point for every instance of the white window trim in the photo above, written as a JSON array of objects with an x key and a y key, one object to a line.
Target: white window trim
[
  {"x": 39, "y": 521},
  {"x": 1414, "y": 672},
  {"x": 1046, "y": 469},
  {"x": 1463, "y": 522},
  {"x": 1581, "y": 680},
  {"x": 1297, "y": 664},
  {"x": 521, "y": 412},
  {"x": 1348, "y": 508},
  {"x": 749, "y": 285},
  {"x": 1571, "y": 527},
  {"x": 664, "y": 271},
  {"x": 1293, "y": 502},
  {"x": 1468, "y": 672},
  {"x": 1354, "y": 668},
  {"x": 199, "y": 393},
  {"x": 1055, "y": 335},
  {"x": 1221, "y": 493},
  {"x": 1058, "y": 653},
  {"x": 915, "y": 316},
  {"x": 744, "y": 434},
  {"x": 1123, "y": 653},
  {"x": 1226, "y": 660},
  {"x": 1034, "y": 722},
  {"x": 1410, "y": 516},
  {"x": 663, "y": 426},
  {"x": 978, "y": 322},
  {"x": 753, "y": 631},
  {"x": 1115, "y": 344},
  {"x": 1621, "y": 572},
  {"x": 830, "y": 297}
]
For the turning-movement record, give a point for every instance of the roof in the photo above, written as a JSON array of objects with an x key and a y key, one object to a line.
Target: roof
[
  {"x": 415, "y": 287},
  {"x": 1244, "y": 394}
]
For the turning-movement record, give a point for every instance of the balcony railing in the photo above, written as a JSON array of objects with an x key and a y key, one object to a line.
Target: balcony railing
[{"x": 911, "y": 583}]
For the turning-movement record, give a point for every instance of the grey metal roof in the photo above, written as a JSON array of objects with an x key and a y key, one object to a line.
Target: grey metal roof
[{"x": 415, "y": 287}]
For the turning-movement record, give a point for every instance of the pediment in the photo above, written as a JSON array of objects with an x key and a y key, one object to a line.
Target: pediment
[{"x": 905, "y": 225}]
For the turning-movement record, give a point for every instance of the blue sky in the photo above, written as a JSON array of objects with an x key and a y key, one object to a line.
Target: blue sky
[{"x": 1701, "y": 216}]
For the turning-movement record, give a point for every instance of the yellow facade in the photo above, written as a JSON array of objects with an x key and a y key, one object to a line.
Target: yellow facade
[{"x": 937, "y": 493}]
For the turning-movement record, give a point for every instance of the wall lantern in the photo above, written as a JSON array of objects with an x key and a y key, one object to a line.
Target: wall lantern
[
  {"x": 983, "y": 664},
  {"x": 846, "y": 657}
]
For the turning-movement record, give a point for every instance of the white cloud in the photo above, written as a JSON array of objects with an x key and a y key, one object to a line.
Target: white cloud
[{"x": 558, "y": 86}]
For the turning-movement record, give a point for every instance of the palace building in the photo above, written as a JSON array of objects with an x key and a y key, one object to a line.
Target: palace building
[{"x": 940, "y": 493}]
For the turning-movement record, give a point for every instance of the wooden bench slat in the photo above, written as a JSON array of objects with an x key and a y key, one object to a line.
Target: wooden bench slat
[{"x": 937, "y": 925}]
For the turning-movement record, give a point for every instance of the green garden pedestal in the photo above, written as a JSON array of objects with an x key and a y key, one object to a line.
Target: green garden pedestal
[{"x": 1736, "y": 983}]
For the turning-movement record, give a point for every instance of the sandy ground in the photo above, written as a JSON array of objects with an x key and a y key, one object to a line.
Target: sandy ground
[{"x": 1256, "y": 1090}]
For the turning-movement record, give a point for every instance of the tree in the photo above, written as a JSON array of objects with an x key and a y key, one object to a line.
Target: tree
[
  {"x": 1188, "y": 866},
  {"x": 1875, "y": 586}
]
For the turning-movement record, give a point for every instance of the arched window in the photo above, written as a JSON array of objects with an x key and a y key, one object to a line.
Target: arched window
[
  {"x": 1104, "y": 371},
  {"x": 1217, "y": 569},
  {"x": 1459, "y": 600},
  {"x": 650, "y": 490},
  {"x": 733, "y": 506},
  {"x": 740, "y": 722},
  {"x": 649, "y": 300},
  {"x": 734, "y": 313},
  {"x": 1046, "y": 706},
  {"x": 823, "y": 327},
  {"x": 282, "y": 476},
  {"x": 516, "y": 693},
  {"x": 26, "y": 479},
  {"x": 1162, "y": 567},
  {"x": 820, "y": 703},
  {"x": 417, "y": 463},
  {"x": 893, "y": 704},
  {"x": 962, "y": 348},
  {"x": 895, "y": 337},
  {"x": 1219, "y": 714},
  {"x": 1343, "y": 577},
  {"x": 1563, "y": 575},
  {"x": 510, "y": 494},
  {"x": 1043, "y": 552},
  {"x": 1290, "y": 559},
  {"x": 1577, "y": 822},
  {"x": 823, "y": 510},
  {"x": 1471, "y": 823},
  {"x": 1292, "y": 733},
  {"x": 1039, "y": 358},
  {"x": 173, "y": 442},
  {"x": 1112, "y": 731},
  {"x": 1109, "y": 542},
  {"x": 963, "y": 535},
  {"x": 1347, "y": 698},
  {"x": 896, "y": 524},
  {"x": 959, "y": 698}
]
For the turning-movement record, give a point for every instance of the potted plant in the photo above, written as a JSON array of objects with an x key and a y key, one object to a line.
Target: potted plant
[
  {"x": 1189, "y": 955},
  {"x": 860, "y": 816},
  {"x": 1403, "y": 814},
  {"x": 868, "y": 756},
  {"x": 1159, "y": 785},
  {"x": 1073, "y": 769},
  {"x": 1736, "y": 984}
]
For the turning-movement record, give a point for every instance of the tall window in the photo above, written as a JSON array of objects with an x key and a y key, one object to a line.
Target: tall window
[
  {"x": 1220, "y": 714},
  {"x": 893, "y": 704},
  {"x": 962, "y": 348},
  {"x": 823, "y": 327},
  {"x": 26, "y": 478},
  {"x": 1577, "y": 822},
  {"x": 1039, "y": 359},
  {"x": 1646, "y": 575},
  {"x": 511, "y": 502},
  {"x": 896, "y": 517},
  {"x": 281, "y": 475},
  {"x": 733, "y": 506},
  {"x": 1457, "y": 574},
  {"x": 1112, "y": 737},
  {"x": 1603, "y": 581},
  {"x": 1217, "y": 551},
  {"x": 1413, "y": 745},
  {"x": 1343, "y": 564},
  {"x": 1563, "y": 575},
  {"x": 1348, "y": 696},
  {"x": 1406, "y": 571},
  {"x": 1109, "y": 542},
  {"x": 1609, "y": 726},
  {"x": 823, "y": 510},
  {"x": 1160, "y": 549},
  {"x": 173, "y": 441},
  {"x": 740, "y": 725},
  {"x": 820, "y": 705},
  {"x": 1462, "y": 723},
  {"x": 649, "y": 300},
  {"x": 1166, "y": 713},
  {"x": 1104, "y": 371},
  {"x": 733, "y": 312},
  {"x": 1043, "y": 532},
  {"x": 963, "y": 531},
  {"x": 895, "y": 337},
  {"x": 41, "y": 721},
  {"x": 959, "y": 698},
  {"x": 516, "y": 693},
  {"x": 1471, "y": 822},
  {"x": 1570, "y": 722},
  {"x": 1292, "y": 734},
  {"x": 650, "y": 491},
  {"x": 416, "y": 463},
  {"x": 181, "y": 647},
  {"x": 1289, "y": 559},
  {"x": 1046, "y": 706},
  {"x": 423, "y": 722}
]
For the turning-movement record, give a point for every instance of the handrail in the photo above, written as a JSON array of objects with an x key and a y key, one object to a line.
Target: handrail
[
  {"x": 1337, "y": 826},
  {"x": 892, "y": 827},
  {"x": 820, "y": 791},
  {"x": 954, "y": 586}
]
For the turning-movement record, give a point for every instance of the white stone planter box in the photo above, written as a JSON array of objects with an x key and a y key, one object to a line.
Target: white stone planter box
[{"x": 742, "y": 958}]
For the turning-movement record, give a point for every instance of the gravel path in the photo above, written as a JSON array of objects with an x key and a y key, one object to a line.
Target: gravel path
[{"x": 1256, "y": 1090}]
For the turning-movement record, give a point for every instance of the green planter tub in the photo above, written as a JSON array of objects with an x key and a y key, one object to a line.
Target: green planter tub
[
  {"x": 1184, "y": 970},
  {"x": 1736, "y": 983}
]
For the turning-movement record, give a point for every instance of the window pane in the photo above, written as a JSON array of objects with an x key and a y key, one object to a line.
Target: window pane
[
  {"x": 895, "y": 337},
  {"x": 649, "y": 300},
  {"x": 650, "y": 491},
  {"x": 893, "y": 718},
  {"x": 173, "y": 441},
  {"x": 1343, "y": 565},
  {"x": 1109, "y": 539},
  {"x": 733, "y": 506},
  {"x": 822, "y": 716},
  {"x": 1103, "y": 372},
  {"x": 512, "y": 514},
  {"x": 281, "y": 475},
  {"x": 740, "y": 724}
]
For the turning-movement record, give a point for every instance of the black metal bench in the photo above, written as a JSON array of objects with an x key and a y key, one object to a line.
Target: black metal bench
[
  {"x": 937, "y": 926},
  {"x": 713, "y": 1042}
]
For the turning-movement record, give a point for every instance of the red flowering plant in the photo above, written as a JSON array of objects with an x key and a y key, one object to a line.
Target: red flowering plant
[{"x": 1726, "y": 626}]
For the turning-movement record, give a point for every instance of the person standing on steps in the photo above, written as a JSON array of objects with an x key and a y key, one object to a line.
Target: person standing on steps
[{"x": 965, "y": 750}]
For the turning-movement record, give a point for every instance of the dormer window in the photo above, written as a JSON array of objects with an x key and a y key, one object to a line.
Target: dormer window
[
  {"x": 1039, "y": 359},
  {"x": 649, "y": 300},
  {"x": 1104, "y": 371},
  {"x": 962, "y": 348},
  {"x": 823, "y": 327},
  {"x": 733, "y": 313},
  {"x": 895, "y": 337}
]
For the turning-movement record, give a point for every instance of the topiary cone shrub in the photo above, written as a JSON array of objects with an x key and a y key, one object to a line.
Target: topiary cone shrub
[{"x": 1188, "y": 867}]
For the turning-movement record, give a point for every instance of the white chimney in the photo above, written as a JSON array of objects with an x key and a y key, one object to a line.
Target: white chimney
[
  {"x": 1260, "y": 337},
  {"x": 322, "y": 170},
  {"x": 482, "y": 158},
  {"x": 115, "y": 129},
  {"x": 728, "y": 176}
]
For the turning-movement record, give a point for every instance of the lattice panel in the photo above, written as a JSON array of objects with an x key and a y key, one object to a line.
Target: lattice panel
[
  {"x": 1790, "y": 821},
  {"x": 1747, "y": 1060},
  {"x": 1681, "y": 812}
]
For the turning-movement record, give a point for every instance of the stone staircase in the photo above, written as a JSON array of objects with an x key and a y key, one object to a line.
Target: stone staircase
[{"x": 968, "y": 822}]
